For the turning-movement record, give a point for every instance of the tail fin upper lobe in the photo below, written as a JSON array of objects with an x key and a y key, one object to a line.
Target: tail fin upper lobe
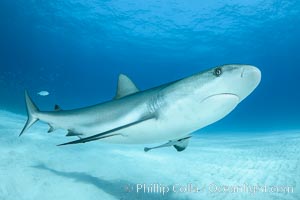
[{"x": 32, "y": 110}]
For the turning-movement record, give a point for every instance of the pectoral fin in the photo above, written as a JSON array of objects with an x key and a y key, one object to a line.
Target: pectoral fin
[
  {"x": 109, "y": 133},
  {"x": 84, "y": 140}
]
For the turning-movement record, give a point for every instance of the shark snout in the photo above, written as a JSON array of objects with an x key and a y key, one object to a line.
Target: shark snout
[
  {"x": 250, "y": 77},
  {"x": 251, "y": 72}
]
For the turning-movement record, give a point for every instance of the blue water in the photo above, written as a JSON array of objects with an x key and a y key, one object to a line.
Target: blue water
[{"x": 76, "y": 49}]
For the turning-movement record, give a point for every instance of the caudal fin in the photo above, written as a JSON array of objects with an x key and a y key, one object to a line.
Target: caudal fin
[{"x": 32, "y": 110}]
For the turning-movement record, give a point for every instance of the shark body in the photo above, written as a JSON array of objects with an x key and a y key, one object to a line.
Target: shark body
[{"x": 171, "y": 112}]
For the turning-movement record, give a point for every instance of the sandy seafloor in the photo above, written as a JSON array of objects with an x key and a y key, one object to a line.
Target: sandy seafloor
[{"x": 33, "y": 167}]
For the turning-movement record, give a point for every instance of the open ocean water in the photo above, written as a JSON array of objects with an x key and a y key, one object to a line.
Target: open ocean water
[{"x": 73, "y": 51}]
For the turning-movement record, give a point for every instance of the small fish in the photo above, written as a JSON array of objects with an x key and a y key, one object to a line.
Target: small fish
[{"x": 43, "y": 93}]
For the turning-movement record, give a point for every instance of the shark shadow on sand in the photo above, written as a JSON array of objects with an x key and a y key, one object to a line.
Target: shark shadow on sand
[{"x": 120, "y": 189}]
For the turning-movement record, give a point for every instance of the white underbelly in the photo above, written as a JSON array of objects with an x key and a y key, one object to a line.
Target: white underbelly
[
  {"x": 151, "y": 131},
  {"x": 175, "y": 122},
  {"x": 178, "y": 121}
]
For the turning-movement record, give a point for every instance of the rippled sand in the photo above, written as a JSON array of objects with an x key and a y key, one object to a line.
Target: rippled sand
[{"x": 33, "y": 167}]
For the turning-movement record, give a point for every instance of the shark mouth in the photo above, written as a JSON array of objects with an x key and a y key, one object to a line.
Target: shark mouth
[{"x": 222, "y": 94}]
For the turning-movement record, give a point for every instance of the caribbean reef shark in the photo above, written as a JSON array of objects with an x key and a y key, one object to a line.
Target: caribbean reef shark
[{"x": 169, "y": 113}]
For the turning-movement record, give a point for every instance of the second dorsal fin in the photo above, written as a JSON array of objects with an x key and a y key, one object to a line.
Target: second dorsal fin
[
  {"x": 125, "y": 87},
  {"x": 57, "y": 108}
]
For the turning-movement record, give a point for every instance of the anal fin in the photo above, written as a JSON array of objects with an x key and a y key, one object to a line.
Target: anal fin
[
  {"x": 51, "y": 129},
  {"x": 71, "y": 133}
]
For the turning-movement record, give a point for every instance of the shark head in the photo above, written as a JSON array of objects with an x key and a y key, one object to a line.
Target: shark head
[
  {"x": 237, "y": 81},
  {"x": 216, "y": 92}
]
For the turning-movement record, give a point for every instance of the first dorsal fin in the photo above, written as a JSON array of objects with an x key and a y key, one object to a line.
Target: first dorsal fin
[
  {"x": 125, "y": 87},
  {"x": 57, "y": 108}
]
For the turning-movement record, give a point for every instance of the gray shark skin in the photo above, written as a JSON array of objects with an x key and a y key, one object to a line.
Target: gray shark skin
[{"x": 171, "y": 112}]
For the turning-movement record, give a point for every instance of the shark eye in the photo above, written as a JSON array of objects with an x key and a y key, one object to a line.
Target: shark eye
[{"x": 218, "y": 72}]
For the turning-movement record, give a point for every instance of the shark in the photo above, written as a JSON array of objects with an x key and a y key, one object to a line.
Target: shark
[{"x": 167, "y": 114}]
